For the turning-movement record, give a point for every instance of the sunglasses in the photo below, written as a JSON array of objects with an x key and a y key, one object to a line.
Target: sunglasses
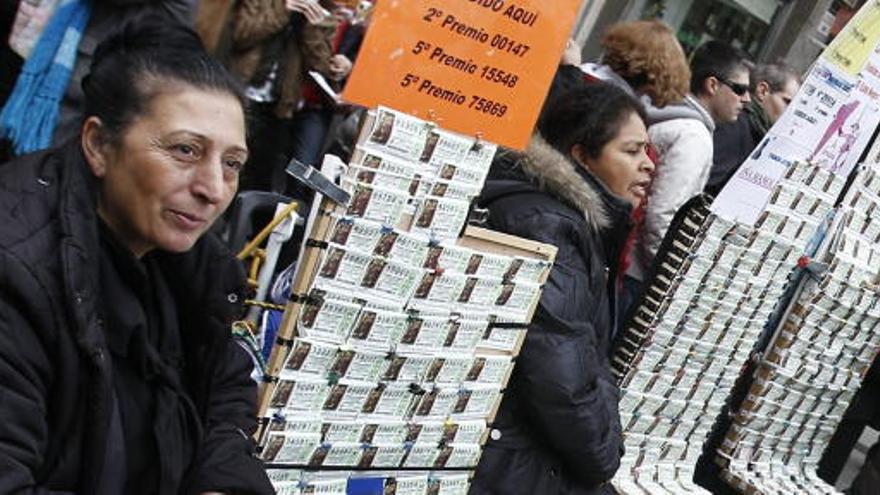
[{"x": 737, "y": 88}]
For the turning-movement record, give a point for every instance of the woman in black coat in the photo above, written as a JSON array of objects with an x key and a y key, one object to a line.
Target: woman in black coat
[
  {"x": 117, "y": 370},
  {"x": 558, "y": 429}
]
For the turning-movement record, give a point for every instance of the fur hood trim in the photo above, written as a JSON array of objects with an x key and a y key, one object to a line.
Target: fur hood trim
[{"x": 555, "y": 174}]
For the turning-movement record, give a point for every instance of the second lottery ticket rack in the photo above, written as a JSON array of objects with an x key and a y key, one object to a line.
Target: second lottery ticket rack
[
  {"x": 760, "y": 323},
  {"x": 403, "y": 322},
  {"x": 710, "y": 306}
]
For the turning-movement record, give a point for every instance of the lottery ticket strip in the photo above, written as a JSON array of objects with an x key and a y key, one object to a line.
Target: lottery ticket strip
[
  {"x": 717, "y": 285},
  {"x": 816, "y": 361},
  {"x": 407, "y": 334}
]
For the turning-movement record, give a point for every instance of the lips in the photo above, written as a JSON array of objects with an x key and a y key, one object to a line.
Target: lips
[
  {"x": 640, "y": 188},
  {"x": 188, "y": 221}
]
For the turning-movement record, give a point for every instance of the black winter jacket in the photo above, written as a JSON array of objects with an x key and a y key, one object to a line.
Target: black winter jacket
[
  {"x": 56, "y": 388},
  {"x": 558, "y": 429},
  {"x": 733, "y": 143}
]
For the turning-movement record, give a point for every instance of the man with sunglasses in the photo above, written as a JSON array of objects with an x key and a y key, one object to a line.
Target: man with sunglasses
[
  {"x": 720, "y": 80},
  {"x": 772, "y": 87}
]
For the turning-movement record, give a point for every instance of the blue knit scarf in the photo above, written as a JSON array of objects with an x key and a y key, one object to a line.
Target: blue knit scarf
[{"x": 31, "y": 112}]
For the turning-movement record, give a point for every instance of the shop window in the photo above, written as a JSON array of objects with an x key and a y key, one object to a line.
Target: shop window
[{"x": 742, "y": 23}]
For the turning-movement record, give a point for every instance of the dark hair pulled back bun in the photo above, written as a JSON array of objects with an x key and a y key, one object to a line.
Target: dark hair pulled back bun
[{"x": 143, "y": 58}]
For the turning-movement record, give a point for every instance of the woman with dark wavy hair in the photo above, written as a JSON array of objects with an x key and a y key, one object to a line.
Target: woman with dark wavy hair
[{"x": 558, "y": 428}]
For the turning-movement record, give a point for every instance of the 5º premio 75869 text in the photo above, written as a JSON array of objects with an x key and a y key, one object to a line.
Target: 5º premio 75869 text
[{"x": 456, "y": 97}]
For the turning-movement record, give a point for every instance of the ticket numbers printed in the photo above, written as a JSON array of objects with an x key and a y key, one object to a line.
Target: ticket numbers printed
[
  {"x": 440, "y": 217},
  {"x": 379, "y": 204},
  {"x": 344, "y": 269},
  {"x": 435, "y": 173},
  {"x": 694, "y": 325},
  {"x": 404, "y": 341},
  {"x": 719, "y": 288},
  {"x": 402, "y": 145},
  {"x": 814, "y": 365},
  {"x": 380, "y": 240},
  {"x": 326, "y": 317}
]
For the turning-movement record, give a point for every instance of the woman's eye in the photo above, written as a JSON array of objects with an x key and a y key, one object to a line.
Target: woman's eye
[
  {"x": 185, "y": 149},
  {"x": 236, "y": 165}
]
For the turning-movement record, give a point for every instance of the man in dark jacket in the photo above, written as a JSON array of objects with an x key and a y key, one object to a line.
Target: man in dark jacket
[{"x": 772, "y": 87}]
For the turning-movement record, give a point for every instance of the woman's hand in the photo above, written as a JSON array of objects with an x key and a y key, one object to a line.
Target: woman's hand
[
  {"x": 340, "y": 67},
  {"x": 572, "y": 54},
  {"x": 310, "y": 9}
]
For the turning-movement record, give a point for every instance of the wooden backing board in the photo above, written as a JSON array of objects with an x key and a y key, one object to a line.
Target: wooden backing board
[{"x": 303, "y": 279}]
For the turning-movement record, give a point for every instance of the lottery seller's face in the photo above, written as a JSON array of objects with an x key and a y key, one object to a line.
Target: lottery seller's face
[
  {"x": 173, "y": 171},
  {"x": 623, "y": 164}
]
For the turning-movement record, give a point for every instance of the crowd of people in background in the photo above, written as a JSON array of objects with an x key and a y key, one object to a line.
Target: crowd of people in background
[
  {"x": 621, "y": 144},
  {"x": 271, "y": 46},
  {"x": 276, "y": 49}
]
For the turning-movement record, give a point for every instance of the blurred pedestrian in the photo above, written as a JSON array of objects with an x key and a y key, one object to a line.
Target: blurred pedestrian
[
  {"x": 646, "y": 59},
  {"x": 681, "y": 134},
  {"x": 720, "y": 80},
  {"x": 772, "y": 87},
  {"x": 312, "y": 121},
  {"x": 274, "y": 45},
  {"x": 45, "y": 107},
  {"x": 643, "y": 58}
]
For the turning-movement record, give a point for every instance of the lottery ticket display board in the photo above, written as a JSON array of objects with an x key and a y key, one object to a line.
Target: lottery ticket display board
[
  {"x": 717, "y": 285},
  {"x": 758, "y": 325},
  {"x": 816, "y": 360},
  {"x": 403, "y": 329}
]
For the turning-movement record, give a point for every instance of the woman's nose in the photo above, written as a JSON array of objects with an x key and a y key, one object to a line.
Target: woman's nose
[{"x": 208, "y": 181}]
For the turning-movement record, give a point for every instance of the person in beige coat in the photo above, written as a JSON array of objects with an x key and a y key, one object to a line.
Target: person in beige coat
[{"x": 274, "y": 43}]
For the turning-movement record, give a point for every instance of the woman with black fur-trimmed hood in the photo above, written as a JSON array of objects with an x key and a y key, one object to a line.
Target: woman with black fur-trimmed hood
[{"x": 558, "y": 429}]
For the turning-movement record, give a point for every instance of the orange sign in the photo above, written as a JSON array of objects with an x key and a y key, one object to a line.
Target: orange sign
[{"x": 479, "y": 67}]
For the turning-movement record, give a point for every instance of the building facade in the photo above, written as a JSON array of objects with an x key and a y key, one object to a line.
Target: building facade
[{"x": 794, "y": 31}]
